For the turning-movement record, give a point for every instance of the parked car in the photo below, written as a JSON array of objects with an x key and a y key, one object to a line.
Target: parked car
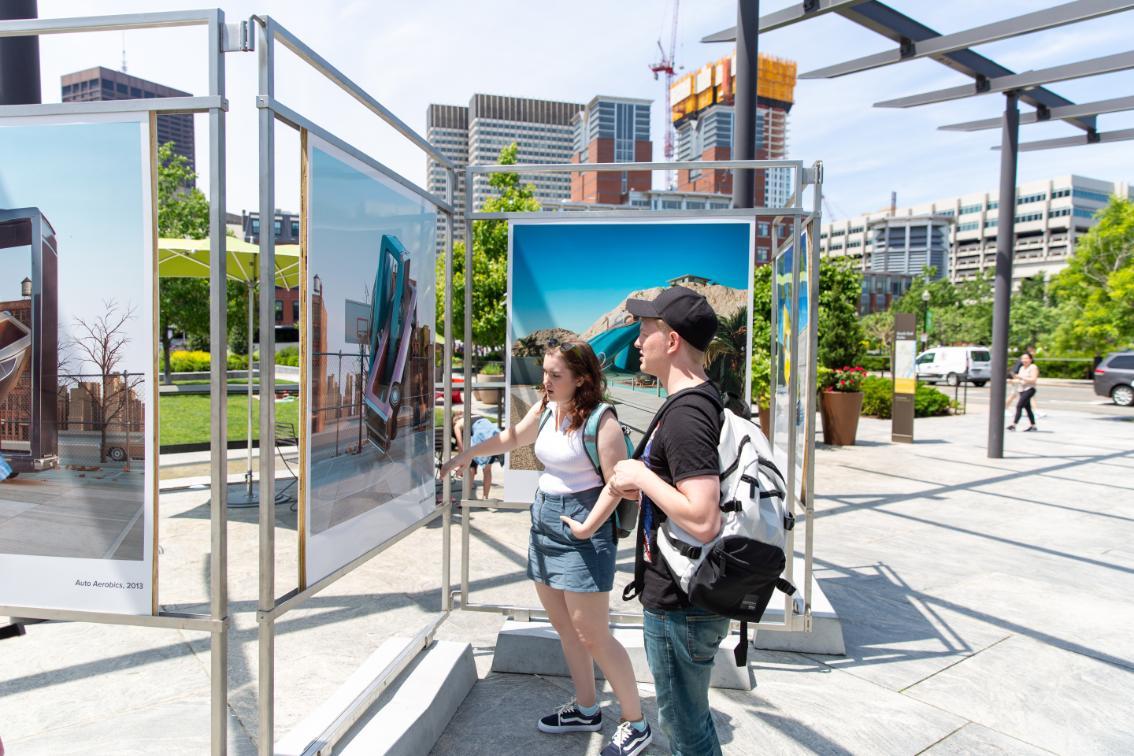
[
  {"x": 955, "y": 364},
  {"x": 1114, "y": 377}
]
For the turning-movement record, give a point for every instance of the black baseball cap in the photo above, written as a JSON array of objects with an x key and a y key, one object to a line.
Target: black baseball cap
[{"x": 683, "y": 310}]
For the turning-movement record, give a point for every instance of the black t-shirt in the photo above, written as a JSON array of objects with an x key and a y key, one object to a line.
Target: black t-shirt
[{"x": 684, "y": 445}]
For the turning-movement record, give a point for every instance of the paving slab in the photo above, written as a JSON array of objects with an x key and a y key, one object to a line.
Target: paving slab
[
  {"x": 1057, "y": 699},
  {"x": 978, "y": 740}
]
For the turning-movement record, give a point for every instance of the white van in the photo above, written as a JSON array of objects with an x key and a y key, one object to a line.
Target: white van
[{"x": 955, "y": 364}]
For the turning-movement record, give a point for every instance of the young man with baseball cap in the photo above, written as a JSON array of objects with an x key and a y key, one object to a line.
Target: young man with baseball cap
[{"x": 676, "y": 473}]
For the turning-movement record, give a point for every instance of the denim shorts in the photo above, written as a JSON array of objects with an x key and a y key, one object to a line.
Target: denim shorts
[{"x": 558, "y": 559}]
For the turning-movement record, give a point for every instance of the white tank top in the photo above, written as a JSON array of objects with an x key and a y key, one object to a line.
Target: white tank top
[{"x": 566, "y": 469}]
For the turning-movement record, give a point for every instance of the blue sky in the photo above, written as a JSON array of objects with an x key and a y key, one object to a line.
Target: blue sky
[
  {"x": 87, "y": 180},
  {"x": 408, "y": 55},
  {"x": 350, "y": 211},
  {"x": 568, "y": 275}
]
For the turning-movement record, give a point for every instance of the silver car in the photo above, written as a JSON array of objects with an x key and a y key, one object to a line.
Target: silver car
[{"x": 1114, "y": 377}]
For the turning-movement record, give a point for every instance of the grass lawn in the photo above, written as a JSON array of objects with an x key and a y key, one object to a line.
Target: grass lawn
[
  {"x": 231, "y": 382},
  {"x": 184, "y": 418}
]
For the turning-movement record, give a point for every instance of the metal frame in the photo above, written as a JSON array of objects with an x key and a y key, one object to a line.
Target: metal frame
[
  {"x": 270, "y": 608},
  {"x": 799, "y": 217},
  {"x": 1065, "y": 113},
  {"x": 215, "y": 105}
]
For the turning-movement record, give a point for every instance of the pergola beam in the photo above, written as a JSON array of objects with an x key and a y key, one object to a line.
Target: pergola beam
[
  {"x": 1018, "y": 82},
  {"x": 786, "y": 17},
  {"x": 1105, "y": 137},
  {"x": 1048, "y": 18},
  {"x": 884, "y": 20},
  {"x": 1098, "y": 107}
]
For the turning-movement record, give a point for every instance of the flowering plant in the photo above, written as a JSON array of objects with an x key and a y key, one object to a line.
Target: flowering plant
[{"x": 848, "y": 379}]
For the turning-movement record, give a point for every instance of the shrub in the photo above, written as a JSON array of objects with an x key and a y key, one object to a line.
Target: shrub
[
  {"x": 492, "y": 368},
  {"x": 182, "y": 361},
  {"x": 288, "y": 356},
  {"x": 878, "y": 394},
  {"x": 238, "y": 362},
  {"x": 876, "y": 362},
  {"x": 847, "y": 379},
  {"x": 929, "y": 402}
]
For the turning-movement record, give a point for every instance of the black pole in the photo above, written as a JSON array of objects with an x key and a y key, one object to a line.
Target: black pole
[
  {"x": 1005, "y": 242},
  {"x": 19, "y": 58},
  {"x": 744, "y": 118}
]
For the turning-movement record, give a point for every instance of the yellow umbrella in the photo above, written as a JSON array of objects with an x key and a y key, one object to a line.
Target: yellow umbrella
[{"x": 189, "y": 258}]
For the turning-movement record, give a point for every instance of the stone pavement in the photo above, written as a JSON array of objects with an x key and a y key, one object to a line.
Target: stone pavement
[{"x": 986, "y": 606}]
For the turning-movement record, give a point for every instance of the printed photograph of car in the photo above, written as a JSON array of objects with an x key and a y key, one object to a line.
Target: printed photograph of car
[
  {"x": 1114, "y": 378},
  {"x": 394, "y": 302}
]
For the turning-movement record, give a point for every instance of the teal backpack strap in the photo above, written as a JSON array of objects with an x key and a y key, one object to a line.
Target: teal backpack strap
[
  {"x": 590, "y": 436},
  {"x": 543, "y": 419}
]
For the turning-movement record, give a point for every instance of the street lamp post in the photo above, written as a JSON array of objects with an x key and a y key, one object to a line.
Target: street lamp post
[{"x": 925, "y": 319}]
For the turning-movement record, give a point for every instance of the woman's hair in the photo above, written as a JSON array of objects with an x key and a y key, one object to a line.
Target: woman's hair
[
  {"x": 1029, "y": 356},
  {"x": 582, "y": 362}
]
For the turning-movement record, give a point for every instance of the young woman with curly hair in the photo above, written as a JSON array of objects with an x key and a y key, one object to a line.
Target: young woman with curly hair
[{"x": 573, "y": 577}]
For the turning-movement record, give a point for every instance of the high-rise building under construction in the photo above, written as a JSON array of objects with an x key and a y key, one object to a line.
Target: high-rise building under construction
[{"x": 702, "y": 115}]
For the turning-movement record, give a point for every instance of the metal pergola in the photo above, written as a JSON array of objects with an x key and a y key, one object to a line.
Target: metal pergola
[{"x": 916, "y": 41}]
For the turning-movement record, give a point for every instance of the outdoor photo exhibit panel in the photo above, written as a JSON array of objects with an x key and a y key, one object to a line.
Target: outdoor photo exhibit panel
[
  {"x": 368, "y": 346},
  {"x": 77, "y": 360},
  {"x": 793, "y": 325},
  {"x": 571, "y": 279}
]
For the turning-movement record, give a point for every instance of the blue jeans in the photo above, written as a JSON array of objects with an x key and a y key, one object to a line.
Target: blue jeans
[{"x": 680, "y": 647}]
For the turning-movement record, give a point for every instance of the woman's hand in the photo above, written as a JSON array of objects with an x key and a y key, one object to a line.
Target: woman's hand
[
  {"x": 578, "y": 529},
  {"x": 453, "y": 464}
]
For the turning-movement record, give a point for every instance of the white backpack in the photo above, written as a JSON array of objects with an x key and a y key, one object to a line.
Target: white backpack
[{"x": 735, "y": 574}]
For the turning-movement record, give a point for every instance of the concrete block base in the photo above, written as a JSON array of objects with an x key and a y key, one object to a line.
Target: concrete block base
[
  {"x": 408, "y": 717},
  {"x": 826, "y": 636},
  {"x": 533, "y": 648}
]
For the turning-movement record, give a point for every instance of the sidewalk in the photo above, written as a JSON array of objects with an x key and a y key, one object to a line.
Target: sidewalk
[{"x": 986, "y": 605}]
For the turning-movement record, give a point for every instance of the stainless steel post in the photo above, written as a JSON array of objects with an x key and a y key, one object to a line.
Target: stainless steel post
[
  {"x": 466, "y": 364},
  {"x": 218, "y": 335},
  {"x": 266, "y": 688},
  {"x": 1005, "y": 243},
  {"x": 447, "y": 416}
]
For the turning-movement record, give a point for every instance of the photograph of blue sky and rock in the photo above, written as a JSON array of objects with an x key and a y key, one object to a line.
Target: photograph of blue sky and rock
[
  {"x": 76, "y": 339},
  {"x": 572, "y": 280},
  {"x": 370, "y": 311}
]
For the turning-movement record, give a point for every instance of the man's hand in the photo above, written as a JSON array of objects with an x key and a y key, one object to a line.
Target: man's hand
[{"x": 628, "y": 476}]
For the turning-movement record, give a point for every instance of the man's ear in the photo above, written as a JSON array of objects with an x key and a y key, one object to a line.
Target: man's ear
[{"x": 673, "y": 343}]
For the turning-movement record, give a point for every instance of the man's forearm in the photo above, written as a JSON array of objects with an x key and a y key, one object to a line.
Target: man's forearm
[{"x": 701, "y": 519}]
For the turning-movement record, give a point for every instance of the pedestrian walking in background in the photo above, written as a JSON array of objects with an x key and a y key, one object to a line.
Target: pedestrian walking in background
[{"x": 1026, "y": 378}]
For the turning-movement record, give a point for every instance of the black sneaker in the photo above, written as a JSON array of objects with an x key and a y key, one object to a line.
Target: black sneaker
[
  {"x": 628, "y": 741},
  {"x": 568, "y": 718}
]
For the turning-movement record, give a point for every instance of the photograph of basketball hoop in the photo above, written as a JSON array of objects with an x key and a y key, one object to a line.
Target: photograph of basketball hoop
[
  {"x": 77, "y": 457},
  {"x": 367, "y": 406}
]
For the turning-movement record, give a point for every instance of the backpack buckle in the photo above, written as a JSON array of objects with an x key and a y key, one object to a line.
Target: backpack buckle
[{"x": 789, "y": 521}]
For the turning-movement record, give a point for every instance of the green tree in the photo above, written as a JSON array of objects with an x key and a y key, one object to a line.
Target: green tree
[
  {"x": 840, "y": 333},
  {"x": 1093, "y": 291},
  {"x": 725, "y": 355},
  {"x": 183, "y": 212},
  {"x": 490, "y": 259}
]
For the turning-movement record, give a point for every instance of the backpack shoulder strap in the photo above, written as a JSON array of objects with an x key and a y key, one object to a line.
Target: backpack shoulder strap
[
  {"x": 543, "y": 419},
  {"x": 590, "y": 436}
]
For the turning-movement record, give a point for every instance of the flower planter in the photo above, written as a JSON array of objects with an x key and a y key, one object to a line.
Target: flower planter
[
  {"x": 488, "y": 396},
  {"x": 840, "y": 411},
  {"x": 765, "y": 416}
]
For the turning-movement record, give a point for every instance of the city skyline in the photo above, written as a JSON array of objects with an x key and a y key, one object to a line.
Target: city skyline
[{"x": 868, "y": 152}]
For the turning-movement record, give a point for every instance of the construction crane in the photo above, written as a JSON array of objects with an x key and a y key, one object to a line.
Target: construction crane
[{"x": 666, "y": 65}]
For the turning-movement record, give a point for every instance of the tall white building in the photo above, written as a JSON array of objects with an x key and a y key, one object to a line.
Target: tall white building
[
  {"x": 1050, "y": 216},
  {"x": 541, "y": 129}
]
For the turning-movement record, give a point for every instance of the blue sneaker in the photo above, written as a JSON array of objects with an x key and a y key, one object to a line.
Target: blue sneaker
[
  {"x": 568, "y": 718},
  {"x": 628, "y": 741}
]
